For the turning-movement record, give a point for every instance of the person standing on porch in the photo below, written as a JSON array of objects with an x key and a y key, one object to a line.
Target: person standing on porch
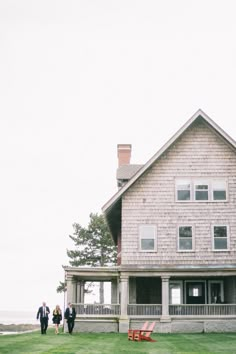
[
  {"x": 70, "y": 315},
  {"x": 42, "y": 313}
]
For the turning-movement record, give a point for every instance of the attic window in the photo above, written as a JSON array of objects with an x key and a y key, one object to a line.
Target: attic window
[
  {"x": 219, "y": 190},
  {"x": 201, "y": 190}
]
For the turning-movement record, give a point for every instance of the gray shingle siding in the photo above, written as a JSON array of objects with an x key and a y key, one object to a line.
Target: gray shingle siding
[{"x": 199, "y": 152}]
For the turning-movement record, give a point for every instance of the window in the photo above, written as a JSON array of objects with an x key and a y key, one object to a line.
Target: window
[
  {"x": 201, "y": 191},
  {"x": 220, "y": 237},
  {"x": 183, "y": 190},
  {"x": 147, "y": 235},
  {"x": 195, "y": 290},
  {"x": 219, "y": 190},
  {"x": 185, "y": 238}
]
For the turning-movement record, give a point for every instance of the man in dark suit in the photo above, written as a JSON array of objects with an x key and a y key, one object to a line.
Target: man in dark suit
[
  {"x": 42, "y": 313},
  {"x": 70, "y": 315}
]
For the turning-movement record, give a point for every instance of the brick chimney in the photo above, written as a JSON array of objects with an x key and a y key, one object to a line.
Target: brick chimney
[{"x": 124, "y": 154}]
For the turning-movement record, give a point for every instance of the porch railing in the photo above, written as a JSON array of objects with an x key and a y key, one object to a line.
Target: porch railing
[
  {"x": 97, "y": 309},
  {"x": 144, "y": 310},
  {"x": 156, "y": 310},
  {"x": 203, "y": 310}
]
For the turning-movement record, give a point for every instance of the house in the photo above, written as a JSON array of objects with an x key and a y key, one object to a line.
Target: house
[{"x": 174, "y": 221}]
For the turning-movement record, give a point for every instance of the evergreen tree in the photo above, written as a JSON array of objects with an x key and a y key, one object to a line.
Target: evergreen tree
[{"x": 93, "y": 247}]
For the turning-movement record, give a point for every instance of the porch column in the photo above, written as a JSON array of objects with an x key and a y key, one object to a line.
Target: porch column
[
  {"x": 71, "y": 289},
  {"x": 78, "y": 293},
  {"x": 82, "y": 291},
  {"x": 124, "y": 320},
  {"x": 123, "y": 295},
  {"x": 165, "y": 298}
]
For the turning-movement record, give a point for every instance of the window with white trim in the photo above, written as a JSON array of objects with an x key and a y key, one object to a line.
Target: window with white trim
[
  {"x": 220, "y": 237},
  {"x": 185, "y": 238},
  {"x": 201, "y": 189},
  {"x": 219, "y": 190},
  {"x": 183, "y": 190},
  {"x": 147, "y": 238}
]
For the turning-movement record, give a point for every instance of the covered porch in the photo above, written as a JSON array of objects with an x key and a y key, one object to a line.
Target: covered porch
[{"x": 189, "y": 300}]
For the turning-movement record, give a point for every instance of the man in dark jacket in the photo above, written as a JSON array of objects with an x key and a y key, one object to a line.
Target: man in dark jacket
[
  {"x": 70, "y": 315},
  {"x": 42, "y": 313}
]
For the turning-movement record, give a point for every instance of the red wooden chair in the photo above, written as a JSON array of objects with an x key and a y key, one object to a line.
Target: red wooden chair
[
  {"x": 131, "y": 332},
  {"x": 146, "y": 334}
]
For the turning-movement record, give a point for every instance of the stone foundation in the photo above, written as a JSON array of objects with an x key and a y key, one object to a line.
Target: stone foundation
[
  {"x": 95, "y": 325},
  {"x": 174, "y": 326}
]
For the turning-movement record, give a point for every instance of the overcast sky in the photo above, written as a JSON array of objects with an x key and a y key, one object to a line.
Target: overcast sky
[{"x": 76, "y": 79}]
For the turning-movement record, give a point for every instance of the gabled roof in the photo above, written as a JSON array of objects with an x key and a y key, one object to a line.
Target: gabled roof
[{"x": 199, "y": 114}]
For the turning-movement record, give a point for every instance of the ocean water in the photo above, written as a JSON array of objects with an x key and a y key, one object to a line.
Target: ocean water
[{"x": 18, "y": 317}]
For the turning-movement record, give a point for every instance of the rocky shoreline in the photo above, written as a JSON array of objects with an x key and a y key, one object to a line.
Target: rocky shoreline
[{"x": 18, "y": 327}]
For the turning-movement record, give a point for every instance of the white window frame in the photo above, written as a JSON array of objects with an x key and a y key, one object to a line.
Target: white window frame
[
  {"x": 227, "y": 238},
  {"x": 183, "y": 181},
  {"x": 178, "y": 238},
  {"x": 141, "y": 237},
  {"x": 193, "y": 181},
  {"x": 201, "y": 182},
  {"x": 223, "y": 181}
]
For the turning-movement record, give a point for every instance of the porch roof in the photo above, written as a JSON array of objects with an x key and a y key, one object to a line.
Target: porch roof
[
  {"x": 95, "y": 273},
  {"x": 108, "y": 273}
]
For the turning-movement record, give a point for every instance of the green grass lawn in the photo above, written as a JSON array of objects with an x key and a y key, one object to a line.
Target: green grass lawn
[{"x": 109, "y": 343}]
